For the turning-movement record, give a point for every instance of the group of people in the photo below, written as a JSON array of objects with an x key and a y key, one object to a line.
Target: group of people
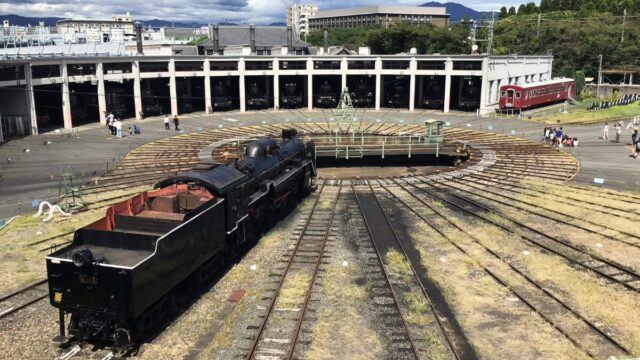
[
  {"x": 619, "y": 126},
  {"x": 115, "y": 127},
  {"x": 557, "y": 138},
  {"x": 625, "y": 100},
  {"x": 176, "y": 122}
]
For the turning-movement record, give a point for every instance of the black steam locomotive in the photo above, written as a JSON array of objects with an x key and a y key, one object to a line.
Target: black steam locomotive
[
  {"x": 256, "y": 99},
  {"x": 434, "y": 97},
  {"x": 291, "y": 98},
  {"x": 469, "y": 98},
  {"x": 221, "y": 96},
  {"x": 362, "y": 95},
  {"x": 326, "y": 96},
  {"x": 396, "y": 98},
  {"x": 123, "y": 273}
]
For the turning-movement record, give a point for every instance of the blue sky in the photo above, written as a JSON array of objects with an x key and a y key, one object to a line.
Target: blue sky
[{"x": 240, "y": 11}]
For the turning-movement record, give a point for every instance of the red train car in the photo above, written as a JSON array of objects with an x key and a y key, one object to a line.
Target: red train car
[{"x": 517, "y": 97}]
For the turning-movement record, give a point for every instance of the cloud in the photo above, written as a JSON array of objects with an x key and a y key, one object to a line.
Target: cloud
[{"x": 240, "y": 11}]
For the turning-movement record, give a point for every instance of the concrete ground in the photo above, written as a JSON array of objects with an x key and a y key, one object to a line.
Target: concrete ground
[{"x": 30, "y": 167}]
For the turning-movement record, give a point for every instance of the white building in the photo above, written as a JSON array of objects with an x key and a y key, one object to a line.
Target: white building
[
  {"x": 298, "y": 17},
  {"x": 98, "y": 30}
]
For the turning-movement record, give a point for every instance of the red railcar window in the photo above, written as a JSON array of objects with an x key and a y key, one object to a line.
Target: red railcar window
[{"x": 517, "y": 94}]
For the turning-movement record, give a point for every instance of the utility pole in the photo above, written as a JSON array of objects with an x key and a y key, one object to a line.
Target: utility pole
[
  {"x": 538, "y": 31},
  {"x": 624, "y": 19},
  {"x": 599, "y": 78}
]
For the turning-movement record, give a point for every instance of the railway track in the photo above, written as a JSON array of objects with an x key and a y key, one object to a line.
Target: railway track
[
  {"x": 585, "y": 333},
  {"x": 277, "y": 335},
  {"x": 23, "y": 297},
  {"x": 588, "y": 260},
  {"x": 385, "y": 238}
]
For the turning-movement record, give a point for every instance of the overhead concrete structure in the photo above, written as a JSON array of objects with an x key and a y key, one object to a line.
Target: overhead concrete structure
[{"x": 67, "y": 91}]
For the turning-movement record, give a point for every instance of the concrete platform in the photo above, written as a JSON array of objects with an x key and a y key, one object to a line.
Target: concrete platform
[{"x": 26, "y": 176}]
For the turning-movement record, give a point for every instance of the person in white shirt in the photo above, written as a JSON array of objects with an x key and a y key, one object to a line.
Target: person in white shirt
[
  {"x": 118, "y": 126},
  {"x": 605, "y": 131},
  {"x": 167, "y": 122},
  {"x": 110, "y": 118}
]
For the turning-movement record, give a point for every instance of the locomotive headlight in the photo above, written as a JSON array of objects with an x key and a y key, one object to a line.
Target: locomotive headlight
[{"x": 82, "y": 257}]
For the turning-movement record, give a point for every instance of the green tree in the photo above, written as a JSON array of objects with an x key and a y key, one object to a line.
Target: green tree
[
  {"x": 512, "y": 11},
  {"x": 532, "y": 8},
  {"x": 579, "y": 79},
  {"x": 522, "y": 9},
  {"x": 503, "y": 13}
]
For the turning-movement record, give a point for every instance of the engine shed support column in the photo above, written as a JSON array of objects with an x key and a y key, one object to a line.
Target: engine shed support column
[
  {"x": 102, "y": 98},
  {"x": 344, "y": 66},
  {"x": 378, "y": 69},
  {"x": 207, "y": 87},
  {"x": 66, "y": 100},
  {"x": 173, "y": 90},
  {"x": 243, "y": 95},
  {"x": 31, "y": 101},
  {"x": 137, "y": 92},
  {"x": 276, "y": 85},
  {"x": 413, "y": 66},
  {"x": 484, "y": 87},
  {"x": 448, "y": 67},
  {"x": 310, "y": 84}
]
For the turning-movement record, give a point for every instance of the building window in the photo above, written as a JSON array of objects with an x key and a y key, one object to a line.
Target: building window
[
  {"x": 326, "y": 65},
  {"x": 45, "y": 71},
  {"x": 258, "y": 65},
  {"x": 224, "y": 66},
  {"x": 81, "y": 69},
  {"x": 293, "y": 65},
  {"x": 430, "y": 65},
  {"x": 396, "y": 64},
  {"x": 467, "y": 65},
  {"x": 361, "y": 65},
  {"x": 154, "y": 67},
  {"x": 189, "y": 66},
  {"x": 116, "y": 68}
]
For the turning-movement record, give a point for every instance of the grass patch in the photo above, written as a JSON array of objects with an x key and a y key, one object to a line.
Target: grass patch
[
  {"x": 577, "y": 114},
  {"x": 293, "y": 290},
  {"x": 397, "y": 265}
]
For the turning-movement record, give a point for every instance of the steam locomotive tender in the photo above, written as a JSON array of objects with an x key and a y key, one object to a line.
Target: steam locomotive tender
[{"x": 122, "y": 273}]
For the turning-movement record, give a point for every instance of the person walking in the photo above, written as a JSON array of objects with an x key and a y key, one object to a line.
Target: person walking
[
  {"x": 110, "y": 119},
  {"x": 166, "y": 122},
  {"x": 605, "y": 131},
  {"x": 634, "y": 137},
  {"x": 637, "y": 149},
  {"x": 118, "y": 126},
  {"x": 618, "y": 132},
  {"x": 176, "y": 122}
]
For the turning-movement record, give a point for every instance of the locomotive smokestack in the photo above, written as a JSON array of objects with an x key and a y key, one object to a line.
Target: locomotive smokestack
[
  {"x": 252, "y": 38},
  {"x": 325, "y": 42},
  {"x": 289, "y": 40},
  {"x": 216, "y": 39},
  {"x": 138, "y": 29}
]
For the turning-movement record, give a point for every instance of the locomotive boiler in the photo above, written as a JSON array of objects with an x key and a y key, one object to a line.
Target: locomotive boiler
[
  {"x": 362, "y": 95},
  {"x": 221, "y": 96},
  {"x": 326, "y": 96},
  {"x": 291, "y": 98},
  {"x": 256, "y": 99},
  {"x": 122, "y": 274},
  {"x": 396, "y": 98}
]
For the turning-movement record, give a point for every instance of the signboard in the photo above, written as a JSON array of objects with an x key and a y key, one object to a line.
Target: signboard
[{"x": 599, "y": 181}]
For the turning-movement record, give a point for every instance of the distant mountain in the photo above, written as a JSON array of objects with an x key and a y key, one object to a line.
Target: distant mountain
[
  {"x": 24, "y": 21},
  {"x": 278, "y": 24},
  {"x": 458, "y": 11},
  {"x": 51, "y": 21}
]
